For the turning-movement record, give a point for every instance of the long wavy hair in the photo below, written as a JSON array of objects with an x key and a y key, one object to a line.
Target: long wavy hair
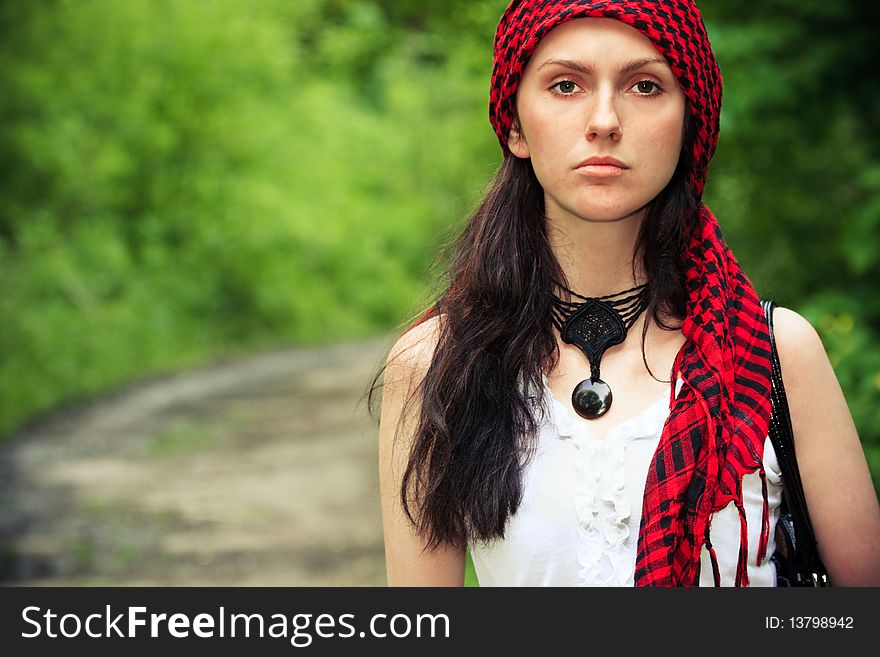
[{"x": 475, "y": 429}]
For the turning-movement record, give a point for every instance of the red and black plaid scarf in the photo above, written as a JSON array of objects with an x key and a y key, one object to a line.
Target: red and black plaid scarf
[{"x": 717, "y": 426}]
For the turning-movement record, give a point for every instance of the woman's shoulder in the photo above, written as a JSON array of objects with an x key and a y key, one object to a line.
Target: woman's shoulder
[
  {"x": 413, "y": 351},
  {"x": 815, "y": 399},
  {"x": 798, "y": 344}
]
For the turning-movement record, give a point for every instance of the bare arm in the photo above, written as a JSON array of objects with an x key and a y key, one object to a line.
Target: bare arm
[
  {"x": 837, "y": 483},
  {"x": 406, "y": 563}
]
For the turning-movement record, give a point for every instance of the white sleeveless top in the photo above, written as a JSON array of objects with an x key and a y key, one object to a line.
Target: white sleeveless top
[{"x": 578, "y": 522}]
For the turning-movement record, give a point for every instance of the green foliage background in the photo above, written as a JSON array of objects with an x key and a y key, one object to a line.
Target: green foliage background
[{"x": 184, "y": 180}]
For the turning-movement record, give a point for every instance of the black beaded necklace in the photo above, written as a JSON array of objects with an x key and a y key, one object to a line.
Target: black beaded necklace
[{"x": 594, "y": 325}]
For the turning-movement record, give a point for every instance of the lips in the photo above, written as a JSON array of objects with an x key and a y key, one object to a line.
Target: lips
[
  {"x": 601, "y": 167},
  {"x": 602, "y": 162}
]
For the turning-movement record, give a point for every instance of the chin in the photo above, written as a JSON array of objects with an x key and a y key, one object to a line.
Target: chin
[
  {"x": 604, "y": 214},
  {"x": 604, "y": 204}
]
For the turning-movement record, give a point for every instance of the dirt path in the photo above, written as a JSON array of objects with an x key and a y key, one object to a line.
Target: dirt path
[{"x": 260, "y": 472}]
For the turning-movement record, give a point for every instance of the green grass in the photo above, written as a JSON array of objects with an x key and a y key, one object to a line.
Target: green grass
[{"x": 183, "y": 438}]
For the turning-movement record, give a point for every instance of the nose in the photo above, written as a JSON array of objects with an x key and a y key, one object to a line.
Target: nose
[{"x": 603, "y": 121}]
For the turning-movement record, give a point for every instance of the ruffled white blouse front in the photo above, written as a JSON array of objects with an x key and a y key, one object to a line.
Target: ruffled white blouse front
[{"x": 578, "y": 523}]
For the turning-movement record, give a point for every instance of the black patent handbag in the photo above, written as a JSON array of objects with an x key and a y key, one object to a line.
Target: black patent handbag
[{"x": 796, "y": 556}]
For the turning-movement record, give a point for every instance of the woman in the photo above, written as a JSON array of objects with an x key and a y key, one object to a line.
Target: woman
[{"x": 522, "y": 418}]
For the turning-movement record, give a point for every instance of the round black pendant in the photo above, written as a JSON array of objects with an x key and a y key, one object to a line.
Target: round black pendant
[{"x": 591, "y": 399}]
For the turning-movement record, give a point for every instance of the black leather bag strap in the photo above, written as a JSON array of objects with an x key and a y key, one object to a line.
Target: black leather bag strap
[{"x": 806, "y": 557}]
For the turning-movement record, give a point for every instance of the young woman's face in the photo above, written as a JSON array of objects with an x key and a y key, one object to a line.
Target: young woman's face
[{"x": 597, "y": 88}]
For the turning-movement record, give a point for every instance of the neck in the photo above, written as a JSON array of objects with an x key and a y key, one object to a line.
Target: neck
[{"x": 596, "y": 256}]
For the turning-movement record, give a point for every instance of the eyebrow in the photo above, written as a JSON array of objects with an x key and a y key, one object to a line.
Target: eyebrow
[{"x": 587, "y": 70}]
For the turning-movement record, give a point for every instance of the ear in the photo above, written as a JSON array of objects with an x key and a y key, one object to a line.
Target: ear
[{"x": 516, "y": 141}]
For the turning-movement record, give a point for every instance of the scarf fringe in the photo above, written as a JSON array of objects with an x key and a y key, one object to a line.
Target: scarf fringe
[
  {"x": 765, "y": 521},
  {"x": 716, "y": 573},
  {"x": 742, "y": 574}
]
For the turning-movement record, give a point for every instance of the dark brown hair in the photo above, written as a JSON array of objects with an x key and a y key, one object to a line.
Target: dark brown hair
[{"x": 476, "y": 428}]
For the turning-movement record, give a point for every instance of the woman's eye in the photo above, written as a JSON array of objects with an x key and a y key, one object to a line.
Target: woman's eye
[
  {"x": 565, "y": 87},
  {"x": 647, "y": 88}
]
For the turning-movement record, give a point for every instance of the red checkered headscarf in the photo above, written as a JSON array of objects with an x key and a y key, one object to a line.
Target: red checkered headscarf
[{"x": 717, "y": 426}]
